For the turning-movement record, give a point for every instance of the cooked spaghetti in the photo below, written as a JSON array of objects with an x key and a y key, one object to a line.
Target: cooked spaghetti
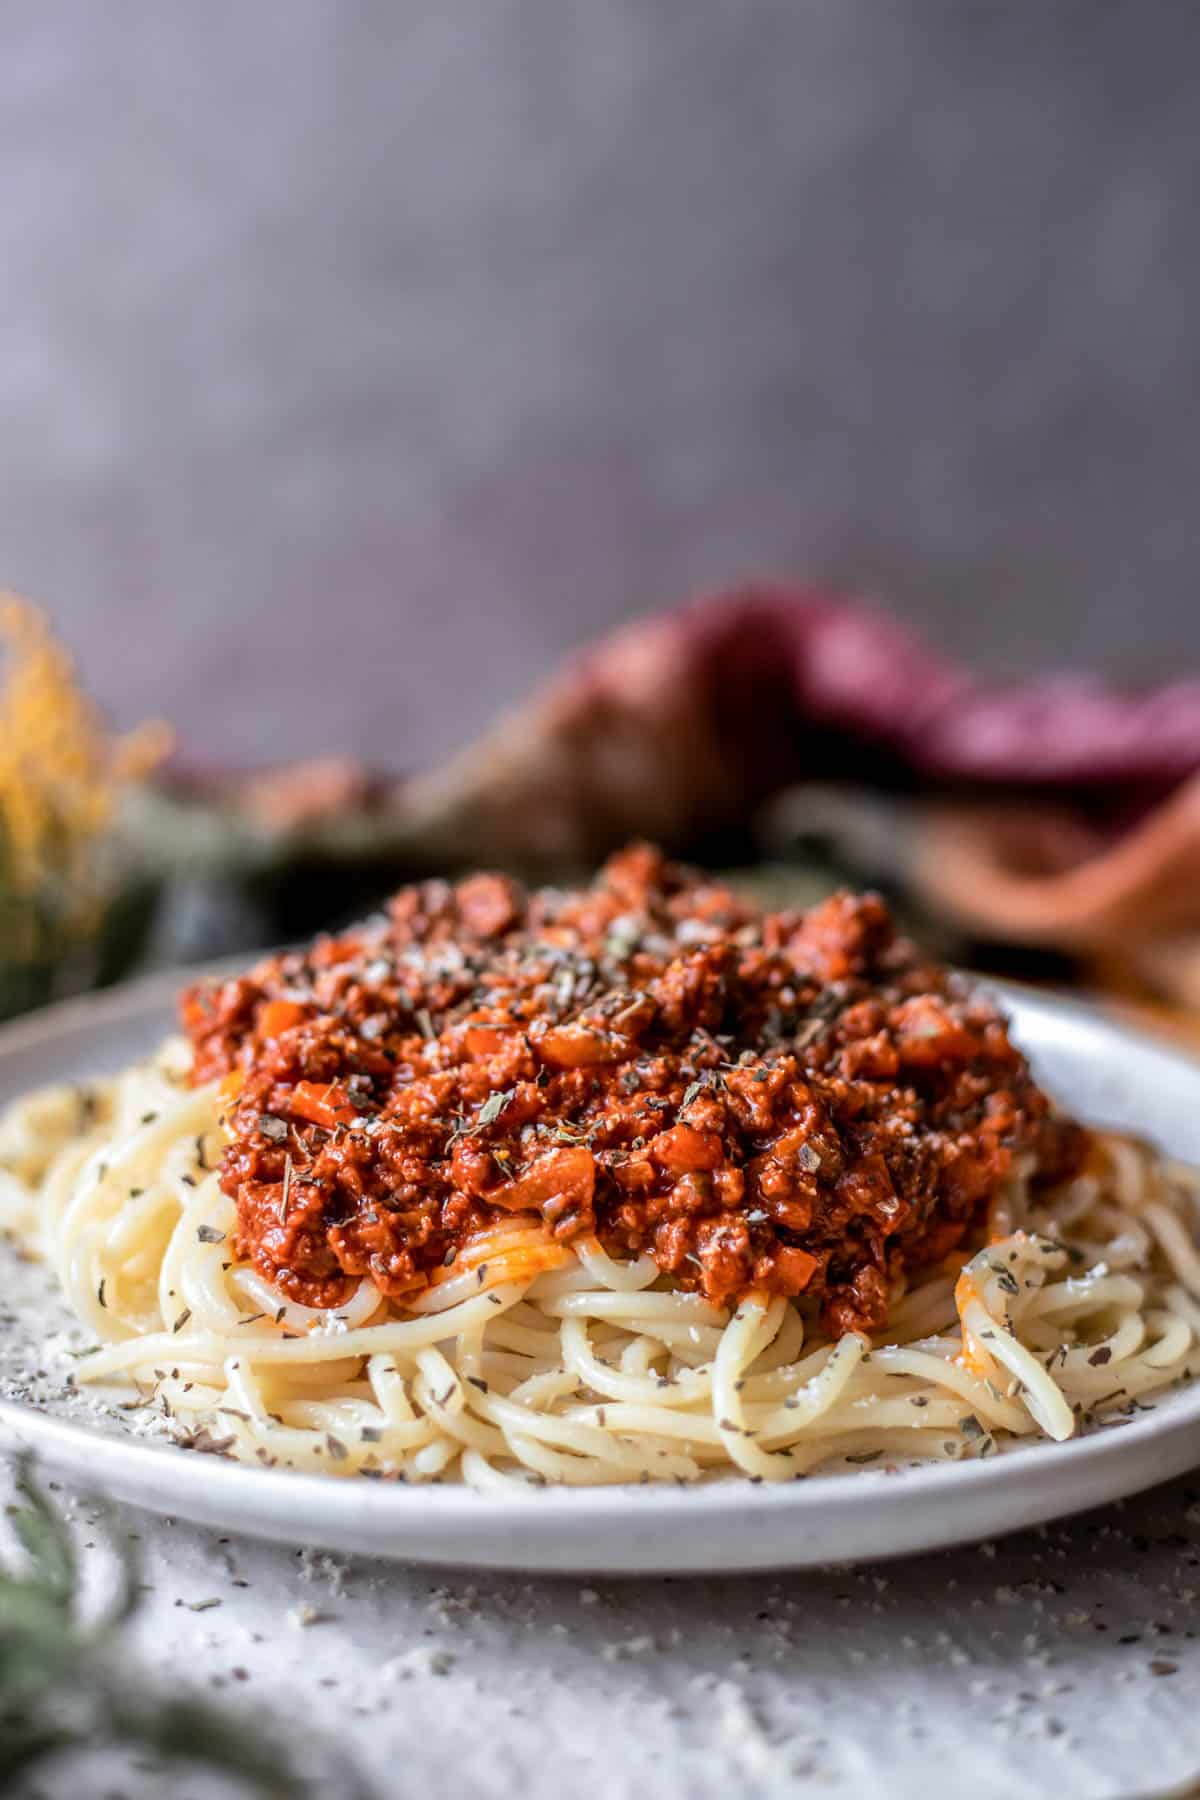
[{"x": 630, "y": 1184}]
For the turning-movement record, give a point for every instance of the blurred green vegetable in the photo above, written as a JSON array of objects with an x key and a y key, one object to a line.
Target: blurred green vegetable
[{"x": 66, "y": 1685}]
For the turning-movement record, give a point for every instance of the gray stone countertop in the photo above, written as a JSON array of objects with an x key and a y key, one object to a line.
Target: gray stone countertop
[{"x": 1062, "y": 1661}]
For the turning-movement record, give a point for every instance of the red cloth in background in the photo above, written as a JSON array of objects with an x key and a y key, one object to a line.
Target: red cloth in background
[
  {"x": 780, "y": 667},
  {"x": 1059, "y": 811}
]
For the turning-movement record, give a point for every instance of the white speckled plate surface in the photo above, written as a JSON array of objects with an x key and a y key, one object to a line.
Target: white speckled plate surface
[{"x": 1107, "y": 1075}]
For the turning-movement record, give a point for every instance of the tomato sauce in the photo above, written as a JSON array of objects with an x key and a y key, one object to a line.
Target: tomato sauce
[{"x": 771, "y": 1103}]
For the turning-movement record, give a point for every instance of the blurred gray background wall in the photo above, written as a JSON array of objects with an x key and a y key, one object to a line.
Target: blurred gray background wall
[{"x": 358, "y": 359}]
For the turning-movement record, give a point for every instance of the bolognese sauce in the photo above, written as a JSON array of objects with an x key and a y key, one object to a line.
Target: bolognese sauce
[{"x": 773, "y": 1103}]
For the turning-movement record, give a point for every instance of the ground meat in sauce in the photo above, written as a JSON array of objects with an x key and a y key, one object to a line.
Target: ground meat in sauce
[{"x": 789, "y": 1103}]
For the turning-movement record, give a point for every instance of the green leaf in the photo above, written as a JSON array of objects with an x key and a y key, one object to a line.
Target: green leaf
[
  {"x": 55, "y": 1668},
  {"x": 45, "y": 1539},
  {"x": 493, "y": 1106}
]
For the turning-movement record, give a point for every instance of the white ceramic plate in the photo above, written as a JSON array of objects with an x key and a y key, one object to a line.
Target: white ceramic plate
[{"x": 1105, "y": 1074}]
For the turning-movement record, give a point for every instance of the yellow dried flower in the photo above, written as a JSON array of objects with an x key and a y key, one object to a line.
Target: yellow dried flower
[{"x": 60, "y": 770}]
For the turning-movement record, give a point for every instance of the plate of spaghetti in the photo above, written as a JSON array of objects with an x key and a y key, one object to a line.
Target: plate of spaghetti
[{"x": 623, "y": 1227}]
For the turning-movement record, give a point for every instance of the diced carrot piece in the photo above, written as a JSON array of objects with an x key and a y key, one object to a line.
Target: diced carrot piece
[
  {"x": 580, "y": 1046},
  {"x": 927, "y": 1033},
  {"x": 325, "y": 1106},
  {"x": 512, "y": 1260},
  {"x": 560, "y": 1178},
  {"x": 795, "y": 1266},
  {"x": 682, "y": 1148},
  {"x": 972, "y": 1355},
  {"x": 231, "y": 1085},
  {"x": 523, "y": 1265},
  {"x": 279, "y": 1015},
  {"x": 196, "y": 1011}
]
